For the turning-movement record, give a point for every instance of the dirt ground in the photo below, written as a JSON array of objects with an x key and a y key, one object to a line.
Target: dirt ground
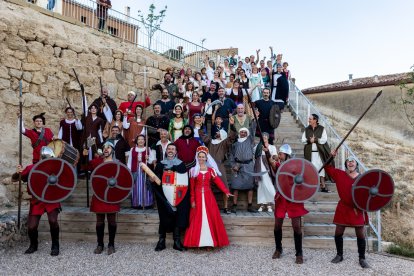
[{"x": 383, "y": 149}]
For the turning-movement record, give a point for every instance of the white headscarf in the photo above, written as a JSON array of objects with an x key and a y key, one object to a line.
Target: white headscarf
[
  {"x": 210, "y": 164},
  {"x": 223, "y": 136},
  {"x": 241, "y": 140}
]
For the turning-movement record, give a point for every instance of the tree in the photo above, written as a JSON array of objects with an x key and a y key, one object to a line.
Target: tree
[
  {"x": 406, "y": 99},
  {"x": 152, "y": 22}
]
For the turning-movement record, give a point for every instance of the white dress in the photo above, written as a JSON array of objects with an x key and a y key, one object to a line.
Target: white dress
[
  {"x": 205, "y": 237},
  {"x": 316, "y": 158},
  {"x": 266, "y": 191}
]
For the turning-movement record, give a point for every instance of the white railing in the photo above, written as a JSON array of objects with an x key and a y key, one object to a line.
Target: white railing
[
  {"x": 303, "y": 108},
  {"x": 132, "y": 30}
]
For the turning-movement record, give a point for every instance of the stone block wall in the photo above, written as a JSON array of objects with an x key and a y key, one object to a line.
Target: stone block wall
[{"x": 41, "y": 51}]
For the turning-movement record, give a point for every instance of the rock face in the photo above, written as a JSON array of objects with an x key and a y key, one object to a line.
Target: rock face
[{"x": 41, "y": 51}]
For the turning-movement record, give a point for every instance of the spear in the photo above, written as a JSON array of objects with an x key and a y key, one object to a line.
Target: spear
[
  {"x": 349, "y": 132},
  {"x": 19, "y": 201}
]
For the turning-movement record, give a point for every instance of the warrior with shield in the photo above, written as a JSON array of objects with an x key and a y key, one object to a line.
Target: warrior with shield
[
  {"x": 346, "y": 214},
  {"x": 283, "y": 206},
  {"x": 173, "y": 200},
  {"x": 111, "y": 184}
]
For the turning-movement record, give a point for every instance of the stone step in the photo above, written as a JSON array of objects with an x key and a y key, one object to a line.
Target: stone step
[
  {"x": 319, "y": 217},
  {"x": 325, "y": 229},
  {"x": 321, "y": 206}
]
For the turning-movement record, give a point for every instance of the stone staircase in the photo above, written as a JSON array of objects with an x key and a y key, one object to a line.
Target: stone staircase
[{"x": 77, "y": 223}]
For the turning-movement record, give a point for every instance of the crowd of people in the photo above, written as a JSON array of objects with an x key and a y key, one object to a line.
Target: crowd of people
[{"x": 203, "y": 121}]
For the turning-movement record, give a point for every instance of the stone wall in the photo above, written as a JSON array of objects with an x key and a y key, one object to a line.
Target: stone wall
[
  {"x": 9, "y": 232},
  {"x": 41, "y": 51},
  {"x": 383, "y": 118}
]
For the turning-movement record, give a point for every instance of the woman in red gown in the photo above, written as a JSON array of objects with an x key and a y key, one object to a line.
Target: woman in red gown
[{"x": 206, "y": 227}]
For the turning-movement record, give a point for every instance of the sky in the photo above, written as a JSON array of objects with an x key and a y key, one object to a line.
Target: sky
[{"x": 322, "y": 40}]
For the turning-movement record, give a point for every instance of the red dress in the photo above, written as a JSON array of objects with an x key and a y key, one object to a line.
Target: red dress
[
  {"x": 283, "y": 206},
  {"x": 33, "y": 135},
  {"x": 346, "y": 213},
  {"x": 37, "y": 207},
  {"x": 193, "y": 109},
  {"x": 98, "y": 206},
  {"x": 213, "y": 233}
]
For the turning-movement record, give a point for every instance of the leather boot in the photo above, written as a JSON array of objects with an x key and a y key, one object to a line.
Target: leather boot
[
  {"x": 161, "y": 243},
  {"x": 339, "y": 243},
  {"x": 100, "y": 230},
  {"x": 278, "y": 242},
  {"x": 112, "y": 233},
  {"x": 54, "y": 233},
  {"x": 33, "y": 241},
  {"x": 177, "y": 240},
  {"x": 298, "y": 244},
  {"x": 361, "y": 252}
]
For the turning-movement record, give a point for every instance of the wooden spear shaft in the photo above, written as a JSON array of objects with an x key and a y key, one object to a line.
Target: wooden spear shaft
[
  {"x": 349, "y": 132},
  {"x": 19, "y": 201}
]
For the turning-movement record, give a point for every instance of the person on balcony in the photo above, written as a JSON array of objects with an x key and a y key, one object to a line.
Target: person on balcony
[{"x": 102, "y": 12}]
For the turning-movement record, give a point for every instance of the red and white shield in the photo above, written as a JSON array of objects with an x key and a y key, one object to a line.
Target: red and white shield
[
  {"x": 174, "y": 186},
  {"x": 111, "y": 182},
  {"x": 52, "y": 180},
  {"x": 372, "y": 190},
  {"x": 297, "y": 180}
]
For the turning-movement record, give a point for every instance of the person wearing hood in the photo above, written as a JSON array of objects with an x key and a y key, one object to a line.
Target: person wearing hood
[
  {"x": 187, "y": 146},
  {"x": 218, "y": 146},
  {"x": 242, "y": 165}
]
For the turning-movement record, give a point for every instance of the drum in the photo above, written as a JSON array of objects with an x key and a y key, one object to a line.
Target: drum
[{"x": 64, "y": 151}]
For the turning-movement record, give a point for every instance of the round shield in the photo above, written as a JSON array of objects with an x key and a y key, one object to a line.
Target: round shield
[
  {"x": 52, "y": 180},
  {"x": 297, "y": 180},
  {"x": 111, "y": 182},
  {"x": 372, "y": 190}
]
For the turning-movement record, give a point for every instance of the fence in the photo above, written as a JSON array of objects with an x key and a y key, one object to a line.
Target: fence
[
  {"x": 303, "y": 108},
  {"x": 132, "y": 30}
]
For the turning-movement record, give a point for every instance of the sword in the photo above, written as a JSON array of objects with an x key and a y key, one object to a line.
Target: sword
[{"x": 211, "y": 105}]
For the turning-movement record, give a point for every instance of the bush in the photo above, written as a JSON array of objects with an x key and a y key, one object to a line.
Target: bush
[{"x": 402, "y": 250}]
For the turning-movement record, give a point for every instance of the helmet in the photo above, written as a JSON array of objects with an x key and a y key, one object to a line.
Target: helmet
[
  {"x": 286, "y": 149},
  {"x": 46, "y": 152}
]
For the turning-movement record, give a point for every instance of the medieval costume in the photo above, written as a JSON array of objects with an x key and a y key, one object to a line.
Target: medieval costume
[
  {"x": 206, "y": 227},
  {"x": 264, "y": 107},
  {"x": 38, "y": 137},
  {"x": 241, "y": 161},
  {"x": 172, "y": 219},
  {"x": 133, "y": 127},
  {"x": 294, "y": 211},
  {"x": 122, "y": 148},
  {"x": 93, "y": 128},
  {"x": 265, "y": 189},
  {"x": 241, "y": 121},
  {"x": 166, "y": 106},
  {"x": 346, "y": 213},
  {"x": 129, "y": 107},
  {"x": 218, "y": 148},
  {"x": 156, "y": 122},
  {"x": 316, "y": 151},
  {"x": 69, "y": 132},
  {"x": 186, "y": 148},
  {"x": 106, "y": 111},
  {"x": 116, "y": 121},
  {"x": 141, "y": 192},
  {"x": 102, "y": 208},
  {"x": 175, "y": 128},
  {"x": 36, "y": 210}
]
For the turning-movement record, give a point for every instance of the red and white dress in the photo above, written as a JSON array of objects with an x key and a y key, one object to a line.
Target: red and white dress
[
  {"x": 98, "y": 206},
  {"x": 283, "y": 206},
  {"x": 206, "y": 226},
  {"x": 346, "y": 213}
]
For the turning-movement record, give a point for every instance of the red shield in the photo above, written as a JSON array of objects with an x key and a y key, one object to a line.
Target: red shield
[
  {"x": 52, "y": 180},
  {"x": 111, "y": 182},
  {"x": 297, "y": 180},
  {"x": 174, "y": 186},
  {"x": 372, "y": 190}
]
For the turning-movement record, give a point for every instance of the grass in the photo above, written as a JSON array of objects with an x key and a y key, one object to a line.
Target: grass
[{"x": 401, "y": 250}]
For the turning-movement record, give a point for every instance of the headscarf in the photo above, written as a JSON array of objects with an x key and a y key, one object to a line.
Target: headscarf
[
  {"x": 210, "y": 163},
  {"x": 183, "y": 136},
  {"x": 223, "y": 136},
  {"x": 241, "y": 140}
]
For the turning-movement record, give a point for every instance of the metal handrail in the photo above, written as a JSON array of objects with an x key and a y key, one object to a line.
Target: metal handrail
[
  {"x": 303, "y": 108},
  {"x": 133, "y": 30}
]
